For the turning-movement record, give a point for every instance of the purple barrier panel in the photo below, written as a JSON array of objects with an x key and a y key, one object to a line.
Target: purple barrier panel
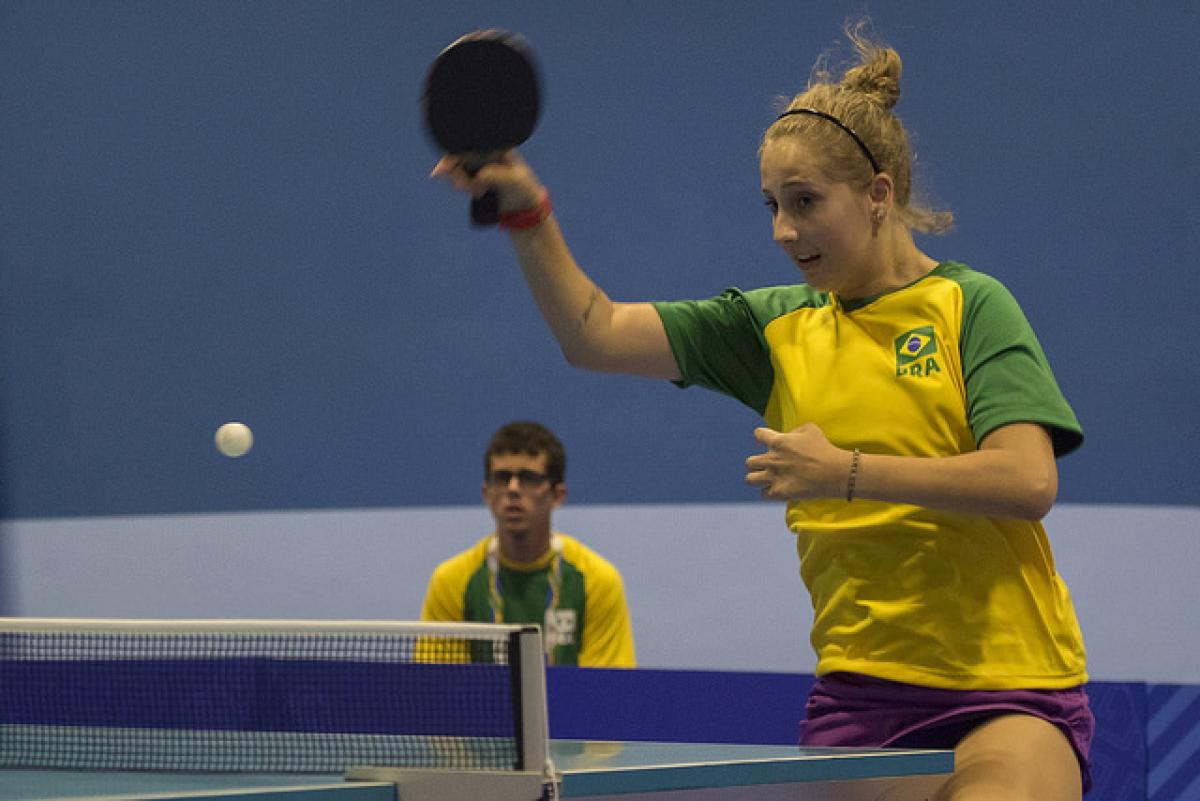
[
  {"x": 1173, "y": 741},
  {"x": 675, "y": 705},
  {"x": 1119, "y": 747}
]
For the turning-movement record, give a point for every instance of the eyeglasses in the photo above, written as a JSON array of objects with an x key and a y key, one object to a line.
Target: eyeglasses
[{"x": 528, "y": 479}]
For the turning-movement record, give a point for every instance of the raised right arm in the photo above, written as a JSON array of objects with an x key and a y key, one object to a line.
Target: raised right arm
[{"x": 593, "y": 331}]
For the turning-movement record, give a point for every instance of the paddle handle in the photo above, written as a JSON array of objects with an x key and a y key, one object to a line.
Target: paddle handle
[{"x": 485, "y": 210}]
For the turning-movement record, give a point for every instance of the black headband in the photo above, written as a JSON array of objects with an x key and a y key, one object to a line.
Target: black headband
[{"x": 861, "y": 144}]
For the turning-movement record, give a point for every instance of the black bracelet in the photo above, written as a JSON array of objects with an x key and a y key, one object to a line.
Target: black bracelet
[{"x": 853, "y": 474}]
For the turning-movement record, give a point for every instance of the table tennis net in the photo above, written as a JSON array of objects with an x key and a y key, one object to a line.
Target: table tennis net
[{"x": 268, "y": 696}]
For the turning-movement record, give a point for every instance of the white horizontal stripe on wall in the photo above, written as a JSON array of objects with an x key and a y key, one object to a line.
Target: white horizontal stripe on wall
[{"x": 712, "y": 587}]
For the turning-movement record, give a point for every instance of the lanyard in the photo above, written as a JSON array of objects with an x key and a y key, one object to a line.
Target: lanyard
[{"x": 553, "y": 590}]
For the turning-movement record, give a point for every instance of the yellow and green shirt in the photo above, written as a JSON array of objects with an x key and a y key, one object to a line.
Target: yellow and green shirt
[
  {"x": 575, "y": 594},
  {"x": 902, "y": 592}
]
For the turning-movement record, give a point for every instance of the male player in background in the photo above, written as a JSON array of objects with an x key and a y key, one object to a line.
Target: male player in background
[{"x": 524, "y": 571}]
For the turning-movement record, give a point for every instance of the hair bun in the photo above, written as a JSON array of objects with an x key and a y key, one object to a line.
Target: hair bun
[{"x": 878, "y": 75}]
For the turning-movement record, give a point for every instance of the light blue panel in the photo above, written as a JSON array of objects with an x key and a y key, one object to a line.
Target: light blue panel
[
  {"x": 376, "y": 563},
  {"x": 711, "y": 586},
  {"x": 1131, "y": 570}
]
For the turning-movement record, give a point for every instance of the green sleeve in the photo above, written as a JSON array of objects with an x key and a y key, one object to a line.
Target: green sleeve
[
  {"x": 718, "y": 343},
  {"x": 1008, "y": 378}
]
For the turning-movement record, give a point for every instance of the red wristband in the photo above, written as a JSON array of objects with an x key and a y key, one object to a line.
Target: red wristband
[{"x": 529, "y": 218}]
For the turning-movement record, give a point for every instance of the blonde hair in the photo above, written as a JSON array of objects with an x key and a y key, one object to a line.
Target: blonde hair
[{"x": 862, "y": 100}]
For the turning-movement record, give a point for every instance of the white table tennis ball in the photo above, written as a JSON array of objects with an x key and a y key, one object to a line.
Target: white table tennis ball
[{"x": 234, "y": 439}]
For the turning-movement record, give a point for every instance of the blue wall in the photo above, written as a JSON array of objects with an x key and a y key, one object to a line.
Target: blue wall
[{"x": 219, "y": 210}]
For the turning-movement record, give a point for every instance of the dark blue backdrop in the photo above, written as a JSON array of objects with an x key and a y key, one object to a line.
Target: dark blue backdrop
[{"x": 220, "y": 210}]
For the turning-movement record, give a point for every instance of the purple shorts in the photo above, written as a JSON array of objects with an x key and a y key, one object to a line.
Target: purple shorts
[{"x": 848, "y": 709}]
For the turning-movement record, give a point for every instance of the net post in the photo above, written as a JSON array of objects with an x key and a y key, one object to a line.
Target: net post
[{"x": 527, "y": 660}]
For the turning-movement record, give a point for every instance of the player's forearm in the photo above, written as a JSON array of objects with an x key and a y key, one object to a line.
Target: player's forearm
[
  {"x": 576, "y": 309},
  {"x": 987, "y": 482}
]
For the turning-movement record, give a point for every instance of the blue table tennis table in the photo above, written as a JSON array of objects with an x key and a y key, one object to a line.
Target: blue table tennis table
[{"x": 597, "y": 770}]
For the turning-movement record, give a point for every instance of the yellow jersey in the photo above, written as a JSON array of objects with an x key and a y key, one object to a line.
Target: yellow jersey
[{"x": 902, "y": 592}]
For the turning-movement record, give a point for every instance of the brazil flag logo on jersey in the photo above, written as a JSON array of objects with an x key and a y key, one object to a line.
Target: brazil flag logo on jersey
[{"x": 916, "y": 352}]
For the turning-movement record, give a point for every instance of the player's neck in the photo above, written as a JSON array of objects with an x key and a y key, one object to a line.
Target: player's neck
[
  {"x": 898, "y": 263},
  {"x": 905, "y": 261},
  {"x": 525, "y": 547}
]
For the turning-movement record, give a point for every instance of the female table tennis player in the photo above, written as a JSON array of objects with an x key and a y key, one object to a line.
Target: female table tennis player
[{"x": 912, "y": 426}]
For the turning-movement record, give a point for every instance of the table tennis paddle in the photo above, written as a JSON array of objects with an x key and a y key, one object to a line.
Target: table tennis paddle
[{"x": 482, "y": 98}]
